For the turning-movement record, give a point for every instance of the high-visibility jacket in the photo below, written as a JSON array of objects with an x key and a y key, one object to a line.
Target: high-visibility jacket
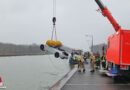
[
  {"x": 85, "y": 57},
  {"x": 103, "y": 59},
  {"x": 98, "y": 59}
]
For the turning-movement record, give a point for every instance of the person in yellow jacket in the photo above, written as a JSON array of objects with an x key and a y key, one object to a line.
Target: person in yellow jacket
[
  {"x": 81, "y": 63},
  {"x": 103, "y": 60},
  {"x": 92, "y": 62}
]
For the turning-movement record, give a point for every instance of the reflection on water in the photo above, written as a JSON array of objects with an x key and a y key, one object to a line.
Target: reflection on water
[{"x": 32, "y": 72}]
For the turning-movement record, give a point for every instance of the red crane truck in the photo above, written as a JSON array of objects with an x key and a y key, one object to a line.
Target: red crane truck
[{"x": 118, "y": 48}]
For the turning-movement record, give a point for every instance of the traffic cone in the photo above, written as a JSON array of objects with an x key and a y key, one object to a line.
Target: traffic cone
[
  {"x": 1, "y": 83},
  {"x": 0, "y": 79}
]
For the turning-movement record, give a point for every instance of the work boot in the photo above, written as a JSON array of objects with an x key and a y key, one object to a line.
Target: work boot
[
  {"x": 83, "y": 70},
  {"x": 92, "y": 70},
  {"x": 79, "y": 70}
]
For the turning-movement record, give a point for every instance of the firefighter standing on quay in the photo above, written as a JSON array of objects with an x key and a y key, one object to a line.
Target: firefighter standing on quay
[
  {"x": 98, "y": 60},
  {"x": 103, "y": 58},
  {"x": 81, "y": 63},
  {"x": 92, "y": 62}
]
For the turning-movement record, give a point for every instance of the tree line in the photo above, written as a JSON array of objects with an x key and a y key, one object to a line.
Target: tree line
[{"x": 7, "y": 49}]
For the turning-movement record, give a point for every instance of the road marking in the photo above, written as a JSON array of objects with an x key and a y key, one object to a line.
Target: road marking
[{"x": 95, "y": 84}]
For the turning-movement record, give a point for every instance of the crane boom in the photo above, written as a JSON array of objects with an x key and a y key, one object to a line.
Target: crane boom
[{"x": 107, "y": 13}]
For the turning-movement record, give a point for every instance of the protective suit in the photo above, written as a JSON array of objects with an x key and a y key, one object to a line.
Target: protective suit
[
  {"x": 81, "y": 63},
  {"x": 93, "y": 59}
]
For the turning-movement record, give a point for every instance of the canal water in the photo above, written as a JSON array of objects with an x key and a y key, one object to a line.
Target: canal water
[{"x": 32, "y": 72}]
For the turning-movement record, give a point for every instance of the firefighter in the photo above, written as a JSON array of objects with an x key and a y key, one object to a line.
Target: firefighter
[
  {"x": 81, "y": 63},
  {"x": 103, "y": 60},
  {"x": 93, "y": 59},
  {"x": 98, "y": 59}
]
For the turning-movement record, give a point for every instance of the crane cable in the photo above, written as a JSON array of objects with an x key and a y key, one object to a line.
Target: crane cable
[{"x": 54, "y": 22}]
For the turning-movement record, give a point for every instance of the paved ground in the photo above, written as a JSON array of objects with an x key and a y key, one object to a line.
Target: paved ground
[{"x": 94, "y": 81}]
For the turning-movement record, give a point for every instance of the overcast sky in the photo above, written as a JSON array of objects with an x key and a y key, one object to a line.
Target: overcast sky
[{"x": 29, "y": 21}]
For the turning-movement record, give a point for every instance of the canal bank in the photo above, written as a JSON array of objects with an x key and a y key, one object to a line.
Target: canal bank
[{"x": 58, "y": 85}]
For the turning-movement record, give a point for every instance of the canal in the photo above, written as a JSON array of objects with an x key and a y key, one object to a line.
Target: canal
[{"x": 32, "y": 72}]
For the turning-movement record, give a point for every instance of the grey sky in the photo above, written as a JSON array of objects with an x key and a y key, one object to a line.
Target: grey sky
[{"x": 29, "y": 21}]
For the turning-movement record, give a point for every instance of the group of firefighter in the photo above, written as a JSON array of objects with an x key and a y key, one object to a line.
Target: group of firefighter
[{"x": 96, "y": 61}]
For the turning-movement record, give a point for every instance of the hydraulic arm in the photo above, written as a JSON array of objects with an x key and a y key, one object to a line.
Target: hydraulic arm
[{"x": 107, "y": 13}]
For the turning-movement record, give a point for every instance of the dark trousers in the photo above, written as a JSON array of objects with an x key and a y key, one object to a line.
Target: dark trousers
[{"x": 103, "y": 64}]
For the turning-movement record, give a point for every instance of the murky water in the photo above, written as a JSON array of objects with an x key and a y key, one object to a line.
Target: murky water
[{"x": 32, "y": 72}]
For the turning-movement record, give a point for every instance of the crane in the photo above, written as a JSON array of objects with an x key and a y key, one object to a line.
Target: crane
[{"x": 118, "y": 48}]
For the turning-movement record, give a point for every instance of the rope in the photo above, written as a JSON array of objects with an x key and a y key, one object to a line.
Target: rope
[
  {"x": 54, "y": 37},
  {"x": 52, "y": 34},
  {"x": 55, "y": 34},
  {"x": 54, "y": 8}
]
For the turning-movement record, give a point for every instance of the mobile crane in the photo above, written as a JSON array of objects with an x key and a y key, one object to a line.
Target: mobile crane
[{"x": 118, "y": 48}]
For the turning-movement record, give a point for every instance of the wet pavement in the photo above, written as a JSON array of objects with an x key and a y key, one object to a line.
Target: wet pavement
[{"x": 94, "y": 81}]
